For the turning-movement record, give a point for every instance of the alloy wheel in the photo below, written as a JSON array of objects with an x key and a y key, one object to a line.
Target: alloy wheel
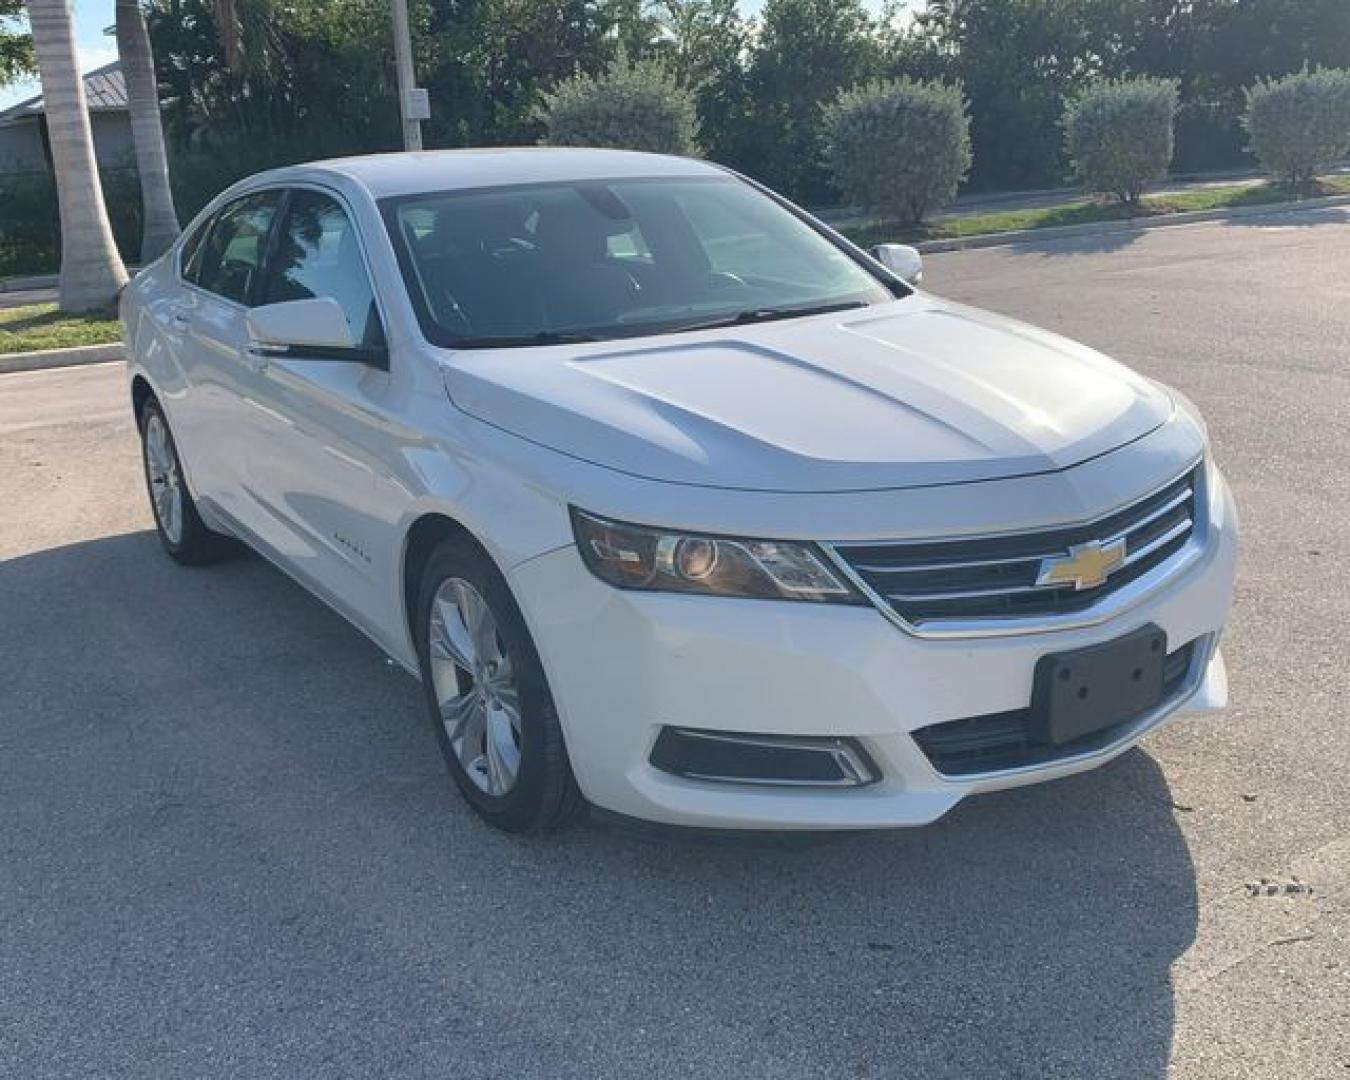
[
  {"x": 166, "y": 484},
  {"x": 476, "y": 690}
]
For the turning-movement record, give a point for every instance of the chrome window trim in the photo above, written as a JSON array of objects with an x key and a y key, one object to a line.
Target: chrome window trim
[{"x": 1110, "y": 607}]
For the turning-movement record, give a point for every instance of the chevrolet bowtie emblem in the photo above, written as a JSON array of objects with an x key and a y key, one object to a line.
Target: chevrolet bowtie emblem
[{"x": 1085, "y": 566}]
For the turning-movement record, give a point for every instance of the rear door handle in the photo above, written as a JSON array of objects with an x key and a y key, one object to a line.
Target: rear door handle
[
  {"x": 179, "y": 321},
  {"x": 256, "y": 360}
]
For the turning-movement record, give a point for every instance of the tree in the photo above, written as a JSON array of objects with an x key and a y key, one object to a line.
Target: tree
[
  {"x": 899, "y": 148},
  {"x": 706, "y": 44},
  {"x": 16, "y": 46},
  {"x": 495, "y": 59},
  {"x": 1019, "y": 61},
  {"x": 92, "y": 273},
  {"x": 159, "y": 220},
  {"x": 806, "y": 52}
]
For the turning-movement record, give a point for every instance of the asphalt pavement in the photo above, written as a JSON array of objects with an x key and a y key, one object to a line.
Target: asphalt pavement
[{"x": 228, "y": 848}]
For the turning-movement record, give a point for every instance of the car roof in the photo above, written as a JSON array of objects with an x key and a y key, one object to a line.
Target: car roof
[{"x": 446, "y": 170}]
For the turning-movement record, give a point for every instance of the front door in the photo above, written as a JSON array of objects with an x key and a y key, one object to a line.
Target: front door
[{"x": 320, "y": 470}]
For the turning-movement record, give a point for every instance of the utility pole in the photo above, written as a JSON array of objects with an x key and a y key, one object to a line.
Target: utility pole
[{"x": 413, "y": 105}]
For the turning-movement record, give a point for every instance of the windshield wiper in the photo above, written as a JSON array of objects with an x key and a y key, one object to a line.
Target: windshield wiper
[
  {"x": 543, "y": 337},
  {"x": 768, "y": 314}
]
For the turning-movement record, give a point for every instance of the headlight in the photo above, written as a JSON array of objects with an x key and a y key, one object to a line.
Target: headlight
[{"x": 636, "y": 557}]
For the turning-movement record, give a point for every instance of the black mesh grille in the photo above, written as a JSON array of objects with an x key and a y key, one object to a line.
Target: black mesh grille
[
  {"x": 995, "y": 577},
  {"x": 1005, "y": 740}
]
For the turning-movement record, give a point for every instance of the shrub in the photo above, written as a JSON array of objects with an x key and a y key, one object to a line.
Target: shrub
[
  {"x": 898, "y": 148},
  {"x": 1119, "y": 135},
  {"x": 1299, "y": 124},
  {"x": 1209, "y": 137},
  {"x": 631, "y": 106},
  {"x": 30, "y": 229},
  {"x": 30, "y": 222}
]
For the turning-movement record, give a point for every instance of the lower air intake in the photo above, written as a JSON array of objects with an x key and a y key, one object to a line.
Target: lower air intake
[{"x": 736, "y": 758}]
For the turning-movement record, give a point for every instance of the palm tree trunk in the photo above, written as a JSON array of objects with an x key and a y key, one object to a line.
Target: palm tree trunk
[
  {"x": 91, "y": 270},
  {"x": 159, "y": 225}
]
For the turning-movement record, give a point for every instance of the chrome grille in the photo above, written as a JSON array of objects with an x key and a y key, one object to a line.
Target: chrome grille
[{"x": 996, "y": 577}]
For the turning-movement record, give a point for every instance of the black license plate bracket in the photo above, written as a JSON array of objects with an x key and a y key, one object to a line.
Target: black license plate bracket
[{"x": 1080, "y": 693}]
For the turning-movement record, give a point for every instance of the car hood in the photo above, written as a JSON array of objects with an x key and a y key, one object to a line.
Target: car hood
[{"x": 911, "y": 393}]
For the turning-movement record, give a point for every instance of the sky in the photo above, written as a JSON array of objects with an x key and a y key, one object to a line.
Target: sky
[{"x": 92, "y": 17}]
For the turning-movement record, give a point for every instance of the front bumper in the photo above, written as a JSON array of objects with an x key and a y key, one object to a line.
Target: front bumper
[{"x": 623, "y": 665}]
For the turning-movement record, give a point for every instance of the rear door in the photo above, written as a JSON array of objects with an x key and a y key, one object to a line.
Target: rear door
[
  {"x": 225, "y": 406},
  {"x": 171, "y": 315}
]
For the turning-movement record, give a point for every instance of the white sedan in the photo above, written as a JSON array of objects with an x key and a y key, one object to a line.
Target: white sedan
[{"x": 674, "y": 500}]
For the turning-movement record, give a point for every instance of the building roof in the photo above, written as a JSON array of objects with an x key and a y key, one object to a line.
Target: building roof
[{"x": 104, "y": 87}]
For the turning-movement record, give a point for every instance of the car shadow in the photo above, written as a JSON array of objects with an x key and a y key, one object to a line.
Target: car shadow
[
  {"x": 1100, "y": 243},
  {"x": 1300, "y": 218},
  {"x": 226, "y": 831}
]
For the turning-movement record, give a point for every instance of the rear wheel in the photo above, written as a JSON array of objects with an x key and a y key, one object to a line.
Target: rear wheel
[
  {"x": 181, "y": 530},
  {"x": 488, "y": 697}
]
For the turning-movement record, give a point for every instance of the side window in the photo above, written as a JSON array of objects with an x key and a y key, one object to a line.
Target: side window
[
  {"x": 317, "y": 254},
  {"x": 233, "y": 253},
  {"x": 190, "y": 255}
]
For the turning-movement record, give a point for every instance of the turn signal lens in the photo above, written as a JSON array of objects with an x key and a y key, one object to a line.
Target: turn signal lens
[{"x": 637, "y": 557}]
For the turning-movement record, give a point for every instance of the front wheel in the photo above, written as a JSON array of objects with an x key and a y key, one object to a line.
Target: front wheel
[
  {"x": 181, "y": 530},
  {"x": 487, "y": 695}
]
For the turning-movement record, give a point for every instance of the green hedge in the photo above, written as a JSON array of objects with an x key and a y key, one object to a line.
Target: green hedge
[{"x": 30, "y": 221}]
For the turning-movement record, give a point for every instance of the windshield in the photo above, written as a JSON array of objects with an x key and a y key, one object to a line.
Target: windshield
[{"x": 546, "y": 263}]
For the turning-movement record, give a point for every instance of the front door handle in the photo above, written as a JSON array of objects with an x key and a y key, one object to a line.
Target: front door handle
[{"x": 179, "y": 321}]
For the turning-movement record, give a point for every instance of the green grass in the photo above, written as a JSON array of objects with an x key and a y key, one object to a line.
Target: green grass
[
  {"x": 1084, "y": 211},
  {"x": 42, "y": 326}
]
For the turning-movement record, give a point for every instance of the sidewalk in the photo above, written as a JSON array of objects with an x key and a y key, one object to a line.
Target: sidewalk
[
  {"x": 997, "y": 201},
  {"x": 24, "y": 297}
]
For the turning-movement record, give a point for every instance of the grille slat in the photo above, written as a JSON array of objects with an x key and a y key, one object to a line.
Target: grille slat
[
  {"x": 1179, "y": 500},
  {"x": 964, "y": 594},
  {"x": 1182, "y": 528},
  {"x": 995, "y": 576}
]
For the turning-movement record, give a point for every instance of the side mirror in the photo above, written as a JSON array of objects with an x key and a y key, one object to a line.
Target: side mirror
[
  {"x": 901, "y": 260},
  {"x": 304, "y": 325}
]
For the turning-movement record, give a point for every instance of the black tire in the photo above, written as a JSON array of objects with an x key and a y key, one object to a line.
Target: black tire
[
  {"x": 545, "y": 795},
  {"x": 195, "y": 544}
]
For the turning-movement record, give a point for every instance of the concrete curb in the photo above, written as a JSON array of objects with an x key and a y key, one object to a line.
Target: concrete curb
[
  {"x": 1106, "y": 228},
  {"x": 44, "y": 281},
  {"x": 57, "y": 358}
]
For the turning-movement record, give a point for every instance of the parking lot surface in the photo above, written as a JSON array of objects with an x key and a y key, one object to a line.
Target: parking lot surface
[{"x": 228, "y": 846}]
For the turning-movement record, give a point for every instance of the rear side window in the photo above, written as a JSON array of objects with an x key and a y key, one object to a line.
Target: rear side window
[
  {"x": 318, "y": 254},
  {"x": 232, "y": 256}
]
